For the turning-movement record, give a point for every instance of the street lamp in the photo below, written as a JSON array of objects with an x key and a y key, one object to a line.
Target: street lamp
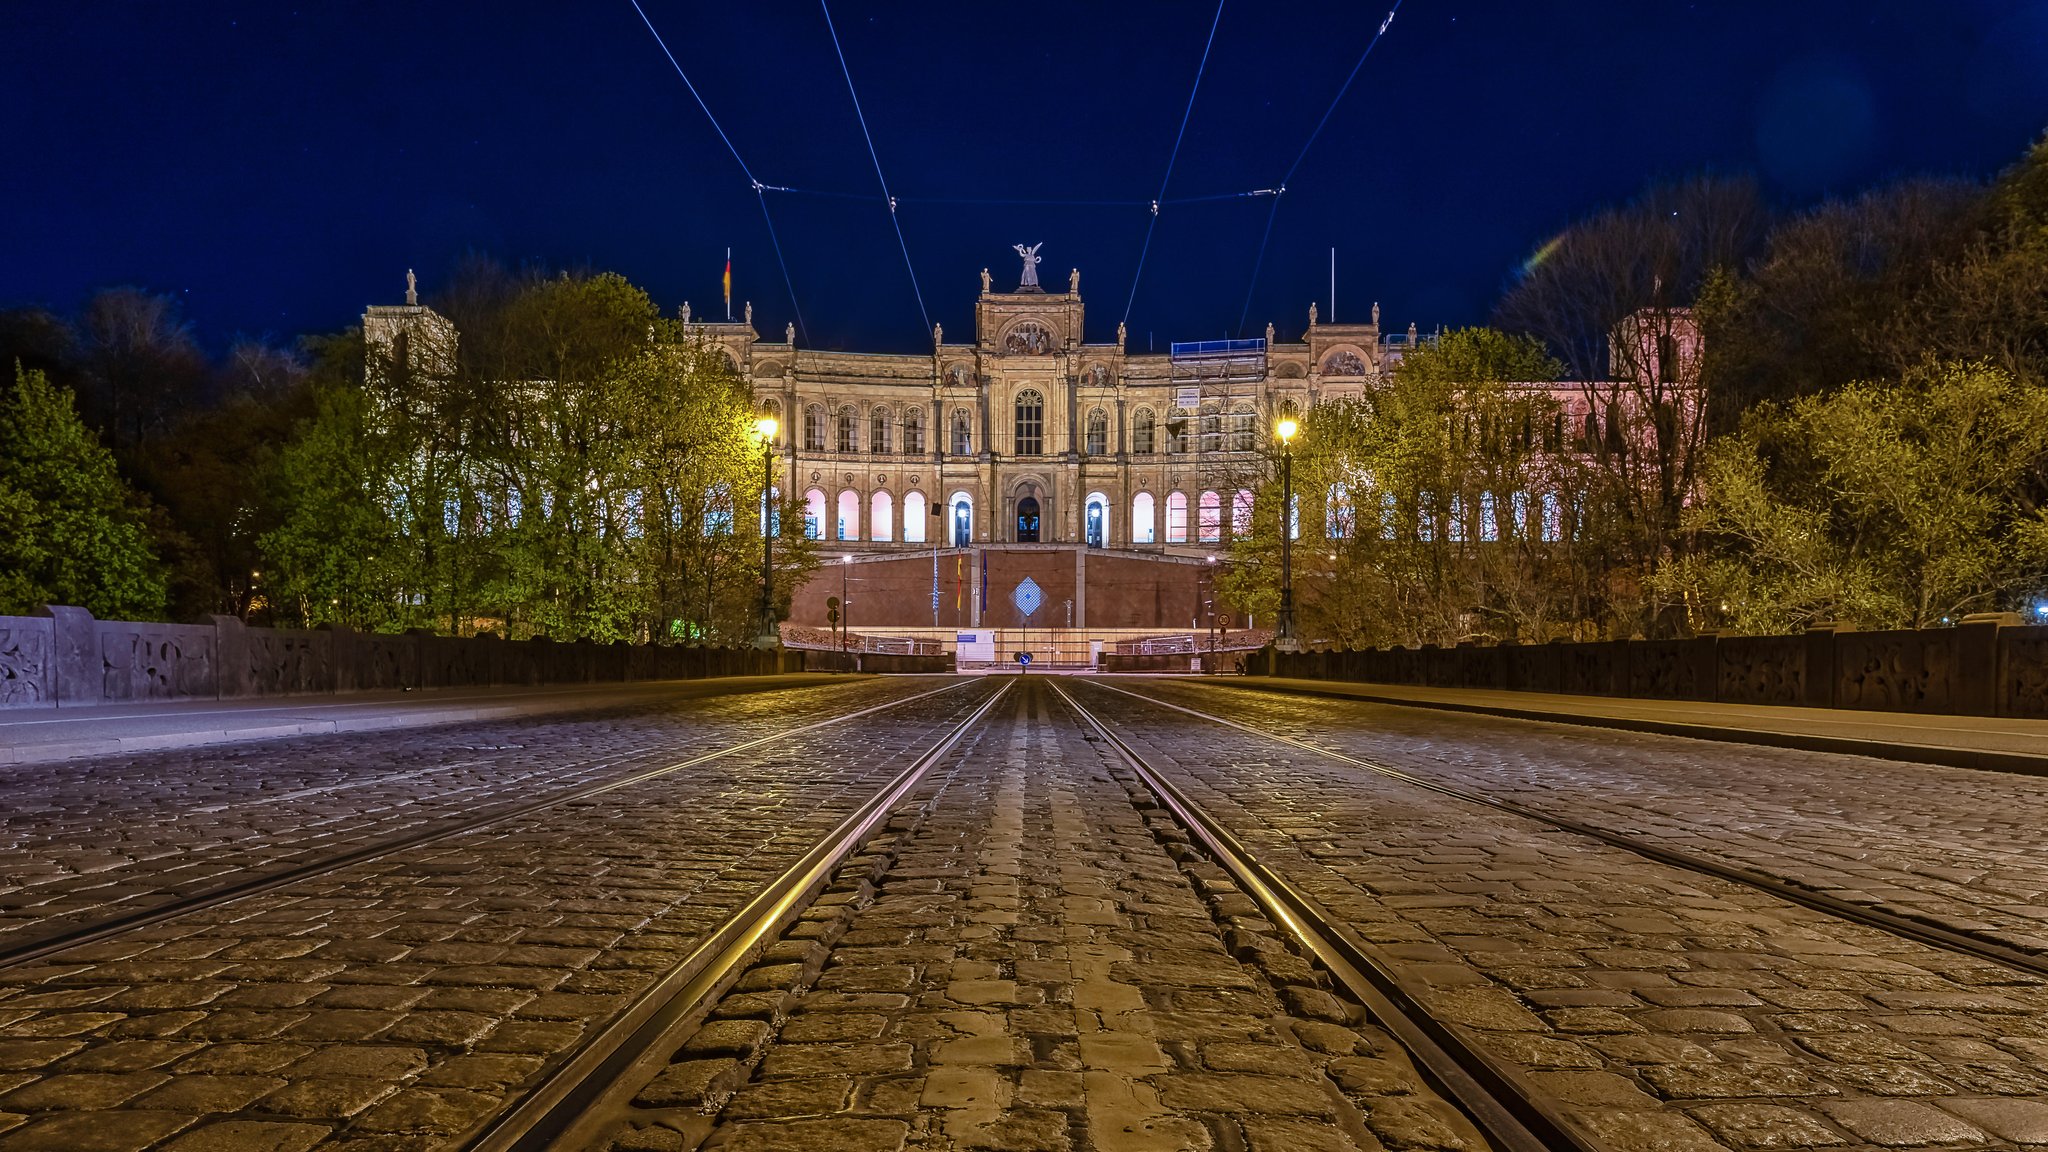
[
  {"x": 765, "y": 428},
  {"x": 1286, "y": 429},
  {"x": 845, "y": 617}
]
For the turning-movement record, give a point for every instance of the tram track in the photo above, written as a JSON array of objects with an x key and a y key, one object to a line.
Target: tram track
[
  {"x": 578, "y": 1092},
  {"x": 1919, "y": 930},
  {"x": 1514, "y": 1116},
  {"x": 30, "y": 948}
]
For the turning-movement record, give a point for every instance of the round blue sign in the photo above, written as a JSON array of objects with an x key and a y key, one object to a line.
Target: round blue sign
[{"x": 1024, "y": 658}]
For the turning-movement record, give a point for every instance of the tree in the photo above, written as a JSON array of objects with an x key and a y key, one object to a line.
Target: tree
[
  {"x": 1431, "y": 506},
  {"x": 1899, "y": 504},
  {"x": 73, "y": 531}
]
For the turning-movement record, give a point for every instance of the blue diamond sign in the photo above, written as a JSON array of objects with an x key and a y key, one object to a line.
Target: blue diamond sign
[{"x": 1028, "y": 596}]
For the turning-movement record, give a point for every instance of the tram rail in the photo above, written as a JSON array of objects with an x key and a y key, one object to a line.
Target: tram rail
[
  {"x": 30, "y": 948},
  {"x": 1919, "y": 930}
]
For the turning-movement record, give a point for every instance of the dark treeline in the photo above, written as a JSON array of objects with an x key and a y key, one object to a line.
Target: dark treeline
[{"x": 1757, "y": 420}]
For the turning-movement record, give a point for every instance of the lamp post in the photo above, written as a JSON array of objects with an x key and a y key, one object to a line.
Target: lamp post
[
  {"x": 1286, "y": 429},
  {"x": 765, "y": 428},
  {"x": 845, "y": 616}
]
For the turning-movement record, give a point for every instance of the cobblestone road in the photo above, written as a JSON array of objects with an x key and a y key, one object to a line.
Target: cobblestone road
[
  {"x": 1035, "y": 970},
  {"x": 79, "y": 840},
  {"x": 1667, "y": 1010},
  {"x": 1955, "y": 847},
  {"x": 394, "y": 1004}
]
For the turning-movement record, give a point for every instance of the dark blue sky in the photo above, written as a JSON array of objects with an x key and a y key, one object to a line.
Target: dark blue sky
[{"x": 280, "y": 167}]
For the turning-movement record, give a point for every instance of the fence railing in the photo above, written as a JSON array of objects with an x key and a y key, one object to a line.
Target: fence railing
[
  {"x": 67, "y": 658},
  {"x": 1989, "y": 665}
]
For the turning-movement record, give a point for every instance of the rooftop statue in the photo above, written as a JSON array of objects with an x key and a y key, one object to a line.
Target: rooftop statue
[{"x": 1031, "y": 262}]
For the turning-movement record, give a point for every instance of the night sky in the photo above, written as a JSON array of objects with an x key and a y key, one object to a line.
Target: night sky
[{"x": 280, "y": 168}]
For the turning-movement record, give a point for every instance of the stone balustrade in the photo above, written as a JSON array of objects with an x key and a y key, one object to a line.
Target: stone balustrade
[
  {"x": 1989, "y": 665},
  {"x": 64, "y": 657}
]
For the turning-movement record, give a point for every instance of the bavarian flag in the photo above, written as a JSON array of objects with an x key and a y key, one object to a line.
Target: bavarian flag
[{"x": 728, "y": 283}]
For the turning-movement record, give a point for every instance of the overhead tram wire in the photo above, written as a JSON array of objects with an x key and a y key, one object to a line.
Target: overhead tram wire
[
  {"x": 760, "y": 190},
  {"x": 1170, "y": 158},
  {"x": 1260, "y": 262},
  {"x": 883, "y": 180}
]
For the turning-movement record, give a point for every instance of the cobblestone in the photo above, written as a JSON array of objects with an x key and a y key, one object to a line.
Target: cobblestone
[
  {"x": 399, "y": 1002},
  {"x": 1947, "y": 845},
  {"x": 1665, "y": 1009},
  {"x": 1035, "y": 971},
  {"x": 82, "y": 839}
]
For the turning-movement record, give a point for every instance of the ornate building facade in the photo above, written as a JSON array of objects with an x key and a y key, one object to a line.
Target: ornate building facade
[{"x": 1026, "y": 434}]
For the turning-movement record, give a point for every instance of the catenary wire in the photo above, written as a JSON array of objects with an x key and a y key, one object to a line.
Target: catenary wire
[
  {"x": 883, "y": 180},
  {"x": 1260, "y": 261},
  {"x": 760, "y": 189},
  {"x": 1172, "y": 156}
]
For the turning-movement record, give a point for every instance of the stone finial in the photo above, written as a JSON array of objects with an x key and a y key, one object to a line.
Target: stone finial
[
  {"x": 1269, "y": 334},
  {"x": 750, "y": 312},
  {"x": 789, "y": 333},
  {"x": 1311, "y": 315},
  {"x": 684, "y": 311},
  {"x": 1119, "y": 333},
  {"x": 1411, "y": 331},
  {"x": 412, "y": 289},
  {"x": 1074, "y": 282},
  {"x": 1375, "y": 313},
  {"x": 986, "y": 281},
  {"x": 938, "y": 334}
]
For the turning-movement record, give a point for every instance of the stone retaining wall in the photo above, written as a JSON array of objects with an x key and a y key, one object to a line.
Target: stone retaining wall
[
  {"x": 66, "y": 657},
  {"x": 1986, "y": 666}
]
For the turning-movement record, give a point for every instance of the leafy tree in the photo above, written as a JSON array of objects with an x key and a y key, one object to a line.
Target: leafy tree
[
  {"x": 1432, "y": 507},
  {"x": 71, "y": 532},
  {"x": 1900, "y": 504}
]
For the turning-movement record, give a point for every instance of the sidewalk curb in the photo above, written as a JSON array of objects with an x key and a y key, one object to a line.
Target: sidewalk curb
[{"x": 1978, "y": 759}]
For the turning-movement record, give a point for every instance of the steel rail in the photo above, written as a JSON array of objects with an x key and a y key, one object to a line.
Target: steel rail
[
  {"x": 22, "y": 951},
  {"x": 1513, "y": 1116},
  {"x": 569, "y": 1098},
  {"x": 1911, "y": 928}
]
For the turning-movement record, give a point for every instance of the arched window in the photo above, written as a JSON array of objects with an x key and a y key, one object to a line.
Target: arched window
[
  {"x": 845, "y": 439},
  {"x": 849, "y": 515},
  {"x": 1518, "y": 516},
  {"x": 1095, "y": 520},
  {"x": 773, "y": 410},
  {"x": 878, "y": 431},
  {"x": 814, "y": 429},
  {"x": 1389, "y": 510},
  {"x": 814, "y": 514},
  {"x": 772, "y": 513},
  {"x": 963, "y": 519},
  {"x": 914, "y": 515},
  {"x": 1489, "y": 526},
  {"x": 913, "y": 433},
  {"x": 1454, "y": 523},
  {"x": 1177, "y": 518},
  {"x": 1425, "y": 517},
  {"x": 1212, "y": 428},
  {"x": 1241, "y": 513},
  {"x": 963, "y": 434},
  {"x": 1553, "y": 517},
  {"x": 717, "y": 509},
  {"x": 1211, "y": 523},
  {"x": 1243, "y": 429},
  {"x": 1030, "y": 427},
  {"x": 1294, "y": 516},
  {"x": 1180, "y": 427},
  {"x": 881, "y": 517},
  {"x": 1098, "y": 432},
  {"x": 1141, "y": 431},
  {"x": 1027, "y": 520},
  {"x": 1338, "y": 517},
  {"x": 1142, "y": 531},
  {"x": 1667, "y": 358}
]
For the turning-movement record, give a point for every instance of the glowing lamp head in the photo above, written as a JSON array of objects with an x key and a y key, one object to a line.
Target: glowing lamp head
[
  {"x": 766, "y": 428},
  {"x": 1286, "y": 429}
]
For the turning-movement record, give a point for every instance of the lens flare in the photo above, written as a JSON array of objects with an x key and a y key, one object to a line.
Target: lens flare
[{"x": 1537, "y": 257}]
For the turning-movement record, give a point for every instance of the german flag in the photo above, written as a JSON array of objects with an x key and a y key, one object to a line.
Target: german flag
[{"x": 728, "y": 284}]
